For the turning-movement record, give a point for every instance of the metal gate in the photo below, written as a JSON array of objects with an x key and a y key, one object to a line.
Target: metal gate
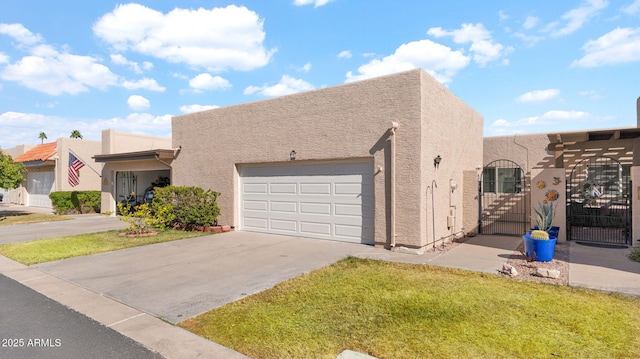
[
  {"x": 598, "y": 206},
  {"x": 503, "y": 199}
]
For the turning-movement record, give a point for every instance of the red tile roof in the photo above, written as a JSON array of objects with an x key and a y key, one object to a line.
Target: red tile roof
[{"x": 39, "y": 153}]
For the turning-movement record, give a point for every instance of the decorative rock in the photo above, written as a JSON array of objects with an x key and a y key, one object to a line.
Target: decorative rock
[
  {"x": 548, "y": 273},
  {"x": 509, "y": 270}
]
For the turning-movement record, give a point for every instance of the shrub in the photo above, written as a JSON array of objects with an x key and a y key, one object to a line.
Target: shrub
[
  {"x": 140, "y": 219},
  {"x": 186, "y": 207},
  {"x": 72, "y": 202},
  {"x": 635, "y": 254}
]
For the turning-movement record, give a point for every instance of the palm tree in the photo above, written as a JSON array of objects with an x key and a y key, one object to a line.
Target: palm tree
[
  {"x": 75, "y": 134},
  {"x": 42, "y": 137}
]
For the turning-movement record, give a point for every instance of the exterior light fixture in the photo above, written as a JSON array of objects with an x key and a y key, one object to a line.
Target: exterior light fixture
[
  {"x": 292, "y": 155},
  {"x": 436, "y": 161}
]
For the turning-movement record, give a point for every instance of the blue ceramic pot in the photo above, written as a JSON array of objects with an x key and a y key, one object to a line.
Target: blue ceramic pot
[{"x": 544, "y": 248}]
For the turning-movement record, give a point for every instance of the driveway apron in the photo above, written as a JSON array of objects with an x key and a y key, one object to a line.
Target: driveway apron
[{"x": 181, "y": 279}]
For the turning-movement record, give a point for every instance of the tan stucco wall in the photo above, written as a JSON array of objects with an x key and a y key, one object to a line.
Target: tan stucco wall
[
  {"x": 120, "y": 142},
  {"x": 342, "y": 122},
  {"x": 452, "y": 130},
  {"x": 89, "y": 174}
]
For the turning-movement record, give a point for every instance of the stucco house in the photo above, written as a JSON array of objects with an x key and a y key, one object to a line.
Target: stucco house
[
  {"x": 132, "y": 163},
  {"x": 392, "y": 161},
  {"x": 48, "y": 170}
]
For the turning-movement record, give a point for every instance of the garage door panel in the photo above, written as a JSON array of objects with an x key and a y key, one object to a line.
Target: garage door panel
[
  {"x": 256, "y": 205},
  {"x": 329, "y": 201},
  {"x": 315, "y": 208},
  {"x": 255, "y": 188},
  {"x": 283, "y": 225},
  {"x": 284, "y": 207},
  {"x": 315, "y": 228},
  {"x": 283, "y": 188},
  {"x": 315, "y": 189},
  {"x": 349, "y": 210},
  {"x": 256, "y": 223}
]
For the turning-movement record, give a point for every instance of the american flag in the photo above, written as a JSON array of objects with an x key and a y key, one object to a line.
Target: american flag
[{"x": 74, "y": 167}]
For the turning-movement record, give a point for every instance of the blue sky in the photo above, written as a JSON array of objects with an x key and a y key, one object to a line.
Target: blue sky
[{"x": 526, "y": 66}]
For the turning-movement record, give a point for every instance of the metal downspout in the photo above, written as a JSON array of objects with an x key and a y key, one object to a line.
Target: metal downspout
[{"x": 392, "y": 138}]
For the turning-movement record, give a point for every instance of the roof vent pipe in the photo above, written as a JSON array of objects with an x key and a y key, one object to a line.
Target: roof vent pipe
[{"x": 392, "y": 175}]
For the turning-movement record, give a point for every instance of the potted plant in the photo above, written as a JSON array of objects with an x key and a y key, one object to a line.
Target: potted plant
[{"x": 540, "y": 244}]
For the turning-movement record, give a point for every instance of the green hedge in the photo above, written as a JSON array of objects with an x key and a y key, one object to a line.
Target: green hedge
[
  {"x": 75, "y": 202},
  {"x": 185, "y": 207}
]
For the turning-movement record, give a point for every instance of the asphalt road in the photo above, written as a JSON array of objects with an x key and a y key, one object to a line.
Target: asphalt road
[{"x": 34, "y": 326}]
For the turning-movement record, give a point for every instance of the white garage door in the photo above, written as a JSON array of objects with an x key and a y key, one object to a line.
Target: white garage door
[
  {"x": 39, "y": 185},
  {"x": 327, "y": 200}
]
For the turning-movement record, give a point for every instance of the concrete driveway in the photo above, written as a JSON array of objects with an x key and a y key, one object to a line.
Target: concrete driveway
[{"x": 181, "y": 279}]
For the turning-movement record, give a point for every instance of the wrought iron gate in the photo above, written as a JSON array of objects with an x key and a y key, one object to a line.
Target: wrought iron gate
[
  {"x": 503, "y": 199},
  {"x": 598, "y": 206}
]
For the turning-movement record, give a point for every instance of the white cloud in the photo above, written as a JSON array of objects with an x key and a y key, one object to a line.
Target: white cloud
[
  {"x": 21, "y": 34},
  {"x": 529, "y": 40},
  {"x": 205, "y": 81},
  {"x": 144, "y": 83},
  {"x": 196, "y": 108},
  {"x": 52, "y": 72},
  {"x": 18, "y": 128},
  {"x": 502, "y": 15},
  {"x": 138, "y": 103},
  {"x": 592, "y": 95},
  {"x": 4, "y": 58},
  {"x": 346, "y": 54},
  {"x": 141, "y": 123},
  {"x": 287, "y": 86},
  {"x": 633, "y": 8},
  {"x": 530, "y": 22},
  {"x": 119, "y": 59},
  {"x": 483, "y": 47},
  {"x": 438, "y": 60},
  {"x": 538, "y": 95},
  {"x": 575, "y": 19},
  {"x": 305, "y": 68},
  {"x": 621, "y": 45},
  {"x": 218, "y": 39},
  {"x": 316, "y": 3},
  {"x": 556, "y": 118}
]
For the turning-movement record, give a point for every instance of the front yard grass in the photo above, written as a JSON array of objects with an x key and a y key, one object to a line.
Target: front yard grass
[
  {"x": 391, "y": 310},
  {"x": 18, "y": 217},
  {"x": 52, "y": 249}
]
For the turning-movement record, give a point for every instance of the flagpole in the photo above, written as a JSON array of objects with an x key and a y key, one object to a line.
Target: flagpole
[{"x": 86, "y": 163}]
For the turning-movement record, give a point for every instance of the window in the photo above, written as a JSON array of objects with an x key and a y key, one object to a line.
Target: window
[{"x": 502, "y": 180}]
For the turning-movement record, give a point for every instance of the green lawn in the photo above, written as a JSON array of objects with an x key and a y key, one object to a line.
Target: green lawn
[
  {"x": 18, "y": 217},
  {"x": 51, "y": 249},
  {"x": 393, "y": 310}
]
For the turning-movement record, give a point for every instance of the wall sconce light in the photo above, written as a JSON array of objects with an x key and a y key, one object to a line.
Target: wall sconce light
[
  {"x": 436, "y": 161},
  {"x": 292, "y": 155}
]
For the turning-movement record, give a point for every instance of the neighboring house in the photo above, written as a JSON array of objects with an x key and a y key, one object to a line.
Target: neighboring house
[
  {"x": 132, "y": 163},
  {"x": 588, "y": 175},
  {"x": 391, "y": 161},
  {"x": 48, "y": 170}
]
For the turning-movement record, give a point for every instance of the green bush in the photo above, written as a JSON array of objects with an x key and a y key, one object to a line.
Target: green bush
[
  {"x": 140, "y": 218},
  {"x": 185, "y": 207},
  {"x": 73, "y": 202},
  {"x": 635, "y": 254}
]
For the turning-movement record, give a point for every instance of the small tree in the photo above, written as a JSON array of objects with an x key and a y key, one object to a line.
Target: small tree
[
  {"x": 42, "y": 137},
  {"x": 11, "y": 173},
  {"x": 76, "y": 134}
]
